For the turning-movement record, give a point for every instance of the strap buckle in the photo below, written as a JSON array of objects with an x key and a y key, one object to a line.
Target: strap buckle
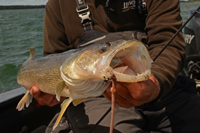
[
  {"x": 84, "y": 15},
  {"x": 142, "y": 6}
]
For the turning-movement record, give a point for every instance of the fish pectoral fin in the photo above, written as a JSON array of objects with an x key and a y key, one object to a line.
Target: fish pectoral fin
[
  {"x": 78, "y": 101},
  {"x": 64, "y": 105},
  {"x": 26, "y": 100},
  {"x": 59, "y": 88}
]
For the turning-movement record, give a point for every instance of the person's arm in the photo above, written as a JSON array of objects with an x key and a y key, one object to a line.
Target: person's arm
[
  {"x": 54, "y": 35},
  {"x": 54, "y": 41},
  {"x": 162, "y": 22}
]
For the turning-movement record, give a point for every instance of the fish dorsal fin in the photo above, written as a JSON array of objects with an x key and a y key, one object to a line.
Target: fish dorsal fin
[
  {"x": 78, "y": 101},
  {"x": 59, "y": 88},
  {"x": 32, "y": 52},
  {"x": 64, "y": 105}
]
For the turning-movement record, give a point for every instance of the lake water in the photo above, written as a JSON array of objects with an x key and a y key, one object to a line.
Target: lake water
[{"x": 21, "y": 29}]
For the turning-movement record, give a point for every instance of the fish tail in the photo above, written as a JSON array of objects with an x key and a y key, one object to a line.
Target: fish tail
[
  {"x": 64, "y": 105},
  {"x": 26, "y": 100}
]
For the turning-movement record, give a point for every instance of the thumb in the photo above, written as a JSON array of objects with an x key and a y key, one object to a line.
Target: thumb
[{"x": 35, "y": 91}]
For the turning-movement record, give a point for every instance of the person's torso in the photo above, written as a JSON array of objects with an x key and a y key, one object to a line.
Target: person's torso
[{"x": 119, "y": 16}]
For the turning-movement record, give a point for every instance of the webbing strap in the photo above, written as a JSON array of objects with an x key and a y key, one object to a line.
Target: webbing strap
[
  {"x": 194, "y": 68},
  {"x": 81, "y": 4},
  {"x": 84, "y": 15},
  {"x": 141, "y": 10}
]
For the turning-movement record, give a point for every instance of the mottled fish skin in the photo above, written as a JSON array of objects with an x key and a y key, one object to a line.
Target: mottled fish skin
[
  {"x": 81, "y": 73},
  {"x": 42, "y": 72}
]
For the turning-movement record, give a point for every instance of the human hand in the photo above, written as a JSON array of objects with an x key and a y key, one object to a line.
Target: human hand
[
  {"x": 135, "y": 94},
  {"x": 44, "y": 98}
]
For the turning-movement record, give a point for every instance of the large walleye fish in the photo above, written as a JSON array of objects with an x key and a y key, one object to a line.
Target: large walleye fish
[{"x": 81, "y": 73}]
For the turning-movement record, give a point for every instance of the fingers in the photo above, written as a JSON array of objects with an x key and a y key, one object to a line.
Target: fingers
[
  {"x": 135, "y": 94},
  {"x": 44, "y": 98},
  {"x": 122, "y": 96},
  {"x": 123, "y": 93}
]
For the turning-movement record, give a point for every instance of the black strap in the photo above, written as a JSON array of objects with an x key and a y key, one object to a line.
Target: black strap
[
  {"x": 141, "y": 10},
  {"x": 194, "y": 70},
  {"x": 84, "y": 15},
  {"x": 194, "y": 73},
  {"x": 81, "y": 4}
]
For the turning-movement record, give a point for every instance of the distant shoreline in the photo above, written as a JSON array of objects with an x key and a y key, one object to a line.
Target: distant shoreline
[{"x": 14, "y": 7}]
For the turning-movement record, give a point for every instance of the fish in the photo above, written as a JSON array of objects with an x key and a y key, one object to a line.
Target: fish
[{"x": 81, "y": 73}]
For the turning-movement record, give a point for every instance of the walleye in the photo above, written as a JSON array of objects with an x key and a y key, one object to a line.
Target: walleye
[{"x": 81, "y": 73}]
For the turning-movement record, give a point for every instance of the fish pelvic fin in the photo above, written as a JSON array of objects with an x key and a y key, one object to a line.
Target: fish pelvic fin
[
  {"x": 78, "y": 101},
  {"x": 32, "y": 52},
  {"x": 26, "y": 100},
  {"x": 59, "y": 89},
  {"x": 64, "y": 105}
]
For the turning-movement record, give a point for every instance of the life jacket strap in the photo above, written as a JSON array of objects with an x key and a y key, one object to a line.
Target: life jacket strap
[
  {"x": 84, "y": 15},
  {"x": 141, "y": 10}
]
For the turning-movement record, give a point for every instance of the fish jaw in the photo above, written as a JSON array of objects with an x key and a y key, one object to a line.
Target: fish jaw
[
  {"x": 92, "y": 64},
  {"x": 132, "y": 57},
  {"x": 137, "y": 63}
]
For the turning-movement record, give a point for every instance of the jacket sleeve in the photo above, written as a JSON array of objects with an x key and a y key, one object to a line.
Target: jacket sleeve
[
  {"x": 54, "y": 36},
  {"x": 162, "y": 22}
]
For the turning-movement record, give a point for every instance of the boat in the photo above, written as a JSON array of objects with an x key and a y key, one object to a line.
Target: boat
[{"x": 33, "y": 119}]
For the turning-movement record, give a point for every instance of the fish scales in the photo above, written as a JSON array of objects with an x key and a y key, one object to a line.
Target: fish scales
[
  {"x": 44, "y": 72},
  {"x": 81, "y": 73}
]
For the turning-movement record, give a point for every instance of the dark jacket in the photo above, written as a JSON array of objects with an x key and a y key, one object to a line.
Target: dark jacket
[{"x": 63, "y": 29}]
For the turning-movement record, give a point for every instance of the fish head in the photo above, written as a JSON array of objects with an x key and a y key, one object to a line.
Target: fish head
[{"x": 128, "y": 58}]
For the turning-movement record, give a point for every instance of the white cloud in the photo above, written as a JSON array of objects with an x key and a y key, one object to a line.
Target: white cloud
[{"x": 23, "y": 2}]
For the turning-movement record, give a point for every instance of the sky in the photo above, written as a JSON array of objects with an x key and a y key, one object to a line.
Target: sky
[{"x": 23, "y": 2}]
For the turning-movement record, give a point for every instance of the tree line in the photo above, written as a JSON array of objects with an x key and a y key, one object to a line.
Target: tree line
[{"x": 21, "y": 7}]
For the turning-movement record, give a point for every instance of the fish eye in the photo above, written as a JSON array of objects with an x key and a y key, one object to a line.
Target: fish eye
[{"x": 104, "y": 47}]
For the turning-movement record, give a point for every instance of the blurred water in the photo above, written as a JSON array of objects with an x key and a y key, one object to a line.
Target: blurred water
[
  {"x": 186, "y": 7},
  {"x": 21, "y": 29}
]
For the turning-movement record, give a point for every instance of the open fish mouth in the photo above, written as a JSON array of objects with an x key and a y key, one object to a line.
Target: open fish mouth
[{"x": 130, "y": 62}]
